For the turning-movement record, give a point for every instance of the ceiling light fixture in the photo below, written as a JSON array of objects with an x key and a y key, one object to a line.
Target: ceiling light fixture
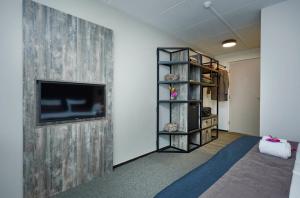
[
  {"x": 229, "y": 43},
  {"x": 208, "y": 5}
]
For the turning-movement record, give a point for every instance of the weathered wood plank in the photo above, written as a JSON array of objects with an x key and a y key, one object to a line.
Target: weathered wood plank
[{"x": 179, "y": 111}]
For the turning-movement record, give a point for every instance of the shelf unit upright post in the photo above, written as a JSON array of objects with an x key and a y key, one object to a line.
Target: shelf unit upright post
[
  {"x": 188, "y": 138},
  {"x": 218, "y": 78},
  {"x": 176, "y": 60},
  {"x": 201, "y": 97}
]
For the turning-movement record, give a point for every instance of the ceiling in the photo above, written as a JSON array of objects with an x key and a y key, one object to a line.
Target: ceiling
[{"x": 198, "y": 26}]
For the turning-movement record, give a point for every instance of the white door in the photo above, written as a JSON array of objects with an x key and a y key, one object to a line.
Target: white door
[{"x": 244, "y": 96}]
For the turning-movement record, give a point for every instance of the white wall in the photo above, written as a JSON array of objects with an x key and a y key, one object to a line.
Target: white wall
[
  {"x": 135, "y": 44},
  {"x": 11, "y": 136},
  {"x": 225, "y": 60},
  {"x": 280, "y": 69}
]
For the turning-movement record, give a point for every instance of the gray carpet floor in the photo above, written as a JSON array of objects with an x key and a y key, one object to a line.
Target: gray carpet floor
[{"x": 147, "y": 176}]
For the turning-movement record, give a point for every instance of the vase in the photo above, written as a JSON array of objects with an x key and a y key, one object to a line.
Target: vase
[{"x": 173, "y": 97}]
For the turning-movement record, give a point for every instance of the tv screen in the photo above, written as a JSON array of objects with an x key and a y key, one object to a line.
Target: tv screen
[{"x": 62, "y": 101}]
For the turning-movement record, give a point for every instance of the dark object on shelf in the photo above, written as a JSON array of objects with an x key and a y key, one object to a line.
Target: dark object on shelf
[
  {"x": 171, "y": 77},
  {"x": 171, "y": 127},
  {"x": 193, "y": 121},
  {"x": 206, "y": 111}
]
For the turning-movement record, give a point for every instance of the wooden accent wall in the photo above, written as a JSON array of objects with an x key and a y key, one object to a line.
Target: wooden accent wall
[{"x": 61, "y": 47}]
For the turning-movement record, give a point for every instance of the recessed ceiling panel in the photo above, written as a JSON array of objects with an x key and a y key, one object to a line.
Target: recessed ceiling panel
[{"x": 142, "y": 9}]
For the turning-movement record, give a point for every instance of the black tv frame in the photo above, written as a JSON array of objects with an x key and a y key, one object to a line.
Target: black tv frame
[{"x": 40, "y": 122}]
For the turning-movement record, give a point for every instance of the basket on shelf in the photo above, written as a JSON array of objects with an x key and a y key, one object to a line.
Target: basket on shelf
[
  {"x": 171, "y": 77},
  {"x": 171, "y": 127}
]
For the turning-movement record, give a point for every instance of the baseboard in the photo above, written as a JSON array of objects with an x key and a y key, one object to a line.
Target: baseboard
[
  {"x": 131, "y": 160},
  {"x": 245, "y": 133},
  {"x": 223, "y": 130}
]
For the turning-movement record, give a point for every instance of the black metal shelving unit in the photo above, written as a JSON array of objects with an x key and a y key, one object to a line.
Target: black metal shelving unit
[{"x": 176, "y": 60}]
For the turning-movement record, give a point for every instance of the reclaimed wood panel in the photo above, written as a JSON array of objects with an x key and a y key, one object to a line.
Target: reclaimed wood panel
[
  {"x": 179, "y": 111},
  {"x": 61, "y": 47}
]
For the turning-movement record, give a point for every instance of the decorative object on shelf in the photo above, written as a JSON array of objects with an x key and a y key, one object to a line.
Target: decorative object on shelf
[
  {"x": 171, "y": 127},
  {"x": 174, "y": 93},
  {"x": 171, "y": 77}
]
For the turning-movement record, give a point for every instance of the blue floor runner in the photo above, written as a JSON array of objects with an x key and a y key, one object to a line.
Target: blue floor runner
[{"x": 194, "y": 183}]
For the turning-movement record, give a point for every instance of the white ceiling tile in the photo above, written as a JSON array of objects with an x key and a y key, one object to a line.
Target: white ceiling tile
[
  {"x": 144, "y": 9},
  {"x": 184, "y": 14},
  {"x": 251, "y": 35},
  {"x": 227, "y": 6},
  {"x": 243, "y": 18},
  {"x": 206, "y": 29}
]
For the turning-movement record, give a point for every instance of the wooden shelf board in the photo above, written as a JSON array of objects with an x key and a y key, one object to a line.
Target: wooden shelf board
[
  {"x": 195, "y": 130},
  {"x": 180, "y": 132},
  {"x": 173, "y": 82},
  {"x": 210, "y": 126},
  {"x": 194, "y": 82},
  {"x": 173, "y": 133},
  {"x": 208, "y": 85},
  {"x": 204, "y": 67}
]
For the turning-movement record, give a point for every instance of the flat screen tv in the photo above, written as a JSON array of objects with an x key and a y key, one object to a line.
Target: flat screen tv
[{"x": 65, "y": 101}]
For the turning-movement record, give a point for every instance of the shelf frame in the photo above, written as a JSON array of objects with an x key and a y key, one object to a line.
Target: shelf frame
[{"x": 205, "y": 68}]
